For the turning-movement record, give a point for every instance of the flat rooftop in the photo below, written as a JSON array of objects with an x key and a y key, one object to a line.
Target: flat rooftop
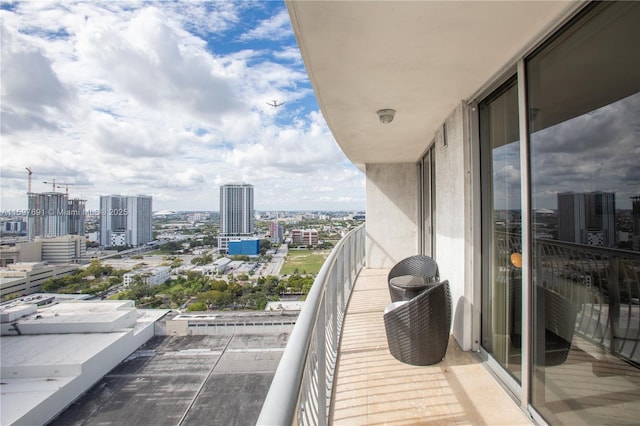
[
  {"x": 183, "y": 380},
  {"x": 44, "y": 371}
]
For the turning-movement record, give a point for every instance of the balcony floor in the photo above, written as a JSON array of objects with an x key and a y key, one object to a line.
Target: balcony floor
[{"x": 373, "y": 388}]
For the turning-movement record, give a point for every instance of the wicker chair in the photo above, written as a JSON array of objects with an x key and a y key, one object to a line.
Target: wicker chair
[
  {"x": 418, "y": 329},
  {"x": 559, "y": 316},
  {"x": 418, "y": 266}
]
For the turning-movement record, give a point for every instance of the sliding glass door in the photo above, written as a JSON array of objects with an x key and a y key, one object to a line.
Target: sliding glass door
[
  {"x": 583, "y": 91},
  {"x": 581, "y": 146},
  {"x": 501, "y": 229}
]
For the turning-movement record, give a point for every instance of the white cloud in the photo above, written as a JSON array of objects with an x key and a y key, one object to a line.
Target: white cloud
[
  {"x": 32, "y": 94},
  {"x": 275, "y": 28}
]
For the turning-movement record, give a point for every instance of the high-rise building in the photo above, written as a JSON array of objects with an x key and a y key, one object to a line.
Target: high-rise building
[
  {"x": 587, "y": 218},
  {"x": 276, "y": 231},
  {"x": 125, "y": 220},
  {"x": 76, "y": 216},
  {"x": 52, "y": 214},
  {"x": 236, "y": 213},
  {"x": 46, "y": 215},
  {"x": 635, "y": 217}
]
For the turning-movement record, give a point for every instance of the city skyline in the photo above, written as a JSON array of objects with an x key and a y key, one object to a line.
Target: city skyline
[{"x": 167, "y": 99}]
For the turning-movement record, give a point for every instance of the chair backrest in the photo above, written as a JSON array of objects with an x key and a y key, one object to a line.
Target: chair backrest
[
  {"x": 560, "y": 314},
  {"x": 417, "y": 265},
  {"x": 444, "y": 289}
]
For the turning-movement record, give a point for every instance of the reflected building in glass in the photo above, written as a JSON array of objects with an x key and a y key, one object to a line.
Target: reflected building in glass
[
  {"x": 587, "y": 218},
  {"x": 635, "y": 217}
]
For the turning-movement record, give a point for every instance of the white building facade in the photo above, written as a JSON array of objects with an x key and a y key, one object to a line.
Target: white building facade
[
  {"x": 150, "y": 276},
  {"x": 125, "y": 220},
  {"x": 65, "y": 249}
]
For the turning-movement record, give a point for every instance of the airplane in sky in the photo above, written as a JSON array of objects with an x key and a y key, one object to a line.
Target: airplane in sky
[{"x": 275, "y": 104}]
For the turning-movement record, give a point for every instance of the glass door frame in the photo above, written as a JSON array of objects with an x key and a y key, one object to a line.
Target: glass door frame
[
  {"x": 427, "y": 201},
  {"x": 519, "y": 391}
]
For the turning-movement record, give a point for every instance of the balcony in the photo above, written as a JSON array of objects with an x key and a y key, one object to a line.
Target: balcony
[
  {"x": 337, "y": 368},
  {"x": 372, "y": 387}
]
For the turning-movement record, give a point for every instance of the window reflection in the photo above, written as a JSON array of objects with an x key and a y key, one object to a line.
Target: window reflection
[
  {"x": 584, "y": 103},
  {"x": 502, "y": 274}
]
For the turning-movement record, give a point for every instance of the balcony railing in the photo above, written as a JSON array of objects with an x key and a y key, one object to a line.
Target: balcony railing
[
  {"x": 603, "y": 284},
  {"x": 301, "y": 389}
]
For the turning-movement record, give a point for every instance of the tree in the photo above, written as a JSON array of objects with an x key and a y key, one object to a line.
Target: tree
[
  {"x": 197, "y": 306},
  {"x": 213, "y": 298},
  {"x": 96, "y": 269},
  {"x": 264, "y": 246},
  {"x": 52, "y": 284}
]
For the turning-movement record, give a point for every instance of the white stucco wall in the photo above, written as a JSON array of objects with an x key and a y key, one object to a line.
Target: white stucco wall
[
  {"x": 392, "y": 218},
  {"x": 392, "y": 211},
  {"x": 453, "y": 219}
]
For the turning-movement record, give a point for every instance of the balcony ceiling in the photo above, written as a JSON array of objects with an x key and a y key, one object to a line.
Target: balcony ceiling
[{"x": 420, "y": 58}]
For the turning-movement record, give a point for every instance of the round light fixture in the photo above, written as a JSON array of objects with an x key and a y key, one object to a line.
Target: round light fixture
[{"x": 386, "y": 115}]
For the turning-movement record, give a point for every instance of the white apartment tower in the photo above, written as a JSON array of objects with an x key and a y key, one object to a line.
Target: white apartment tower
[
  {"x": 236, "y": 213},
  {"x": 125, "y": 220}
]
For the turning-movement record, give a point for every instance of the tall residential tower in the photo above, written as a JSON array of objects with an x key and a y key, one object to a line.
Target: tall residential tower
[
  {"x": 125, "y": 220},
  {"x": 236, "y": 213},
  {"x": 587, "y": 218},
  {"x": 53, "y": 214}
]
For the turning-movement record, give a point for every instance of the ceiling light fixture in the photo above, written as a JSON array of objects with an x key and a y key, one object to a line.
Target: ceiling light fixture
[{"x": 386, "y": 115}]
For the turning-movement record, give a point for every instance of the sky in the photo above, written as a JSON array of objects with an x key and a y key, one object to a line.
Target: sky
[
  {"x": 168, "y": 99},
  {"x": 595, "y": 151}
]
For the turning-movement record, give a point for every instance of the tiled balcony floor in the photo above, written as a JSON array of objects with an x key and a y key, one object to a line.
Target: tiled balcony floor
[{"x": 373, "y": 388}]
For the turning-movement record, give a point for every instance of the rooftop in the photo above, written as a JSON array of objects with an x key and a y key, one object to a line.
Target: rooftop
[
  {"x": 64, "y": 348},
  {"x": 189, "y": 380}
]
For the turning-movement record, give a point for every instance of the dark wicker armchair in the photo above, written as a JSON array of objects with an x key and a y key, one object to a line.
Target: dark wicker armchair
[
  {"x": 559, "y": 316},
  {"x": 418, "y": 329},
  {"x": 418, "y": 266}
]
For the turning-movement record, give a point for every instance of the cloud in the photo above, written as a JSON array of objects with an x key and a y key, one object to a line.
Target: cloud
[
  {"x": 144, "y": 59},
  {"x": 595, "y": 151},
  {"x": 31, "y": 90},
  {"x": 298, "y": 149},
  {"x": 275, "y": 28},
  {"x": 289, "y": 53},
  {"x": 167, "y": 99}
]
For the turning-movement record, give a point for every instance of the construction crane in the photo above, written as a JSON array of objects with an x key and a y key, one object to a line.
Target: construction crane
[
  {"x": 30, "y": 173},
  {"x": 55, "y": 185}
]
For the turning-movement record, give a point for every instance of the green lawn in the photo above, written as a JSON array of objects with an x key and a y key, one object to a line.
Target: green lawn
[{"x": 306, "y": 261}]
